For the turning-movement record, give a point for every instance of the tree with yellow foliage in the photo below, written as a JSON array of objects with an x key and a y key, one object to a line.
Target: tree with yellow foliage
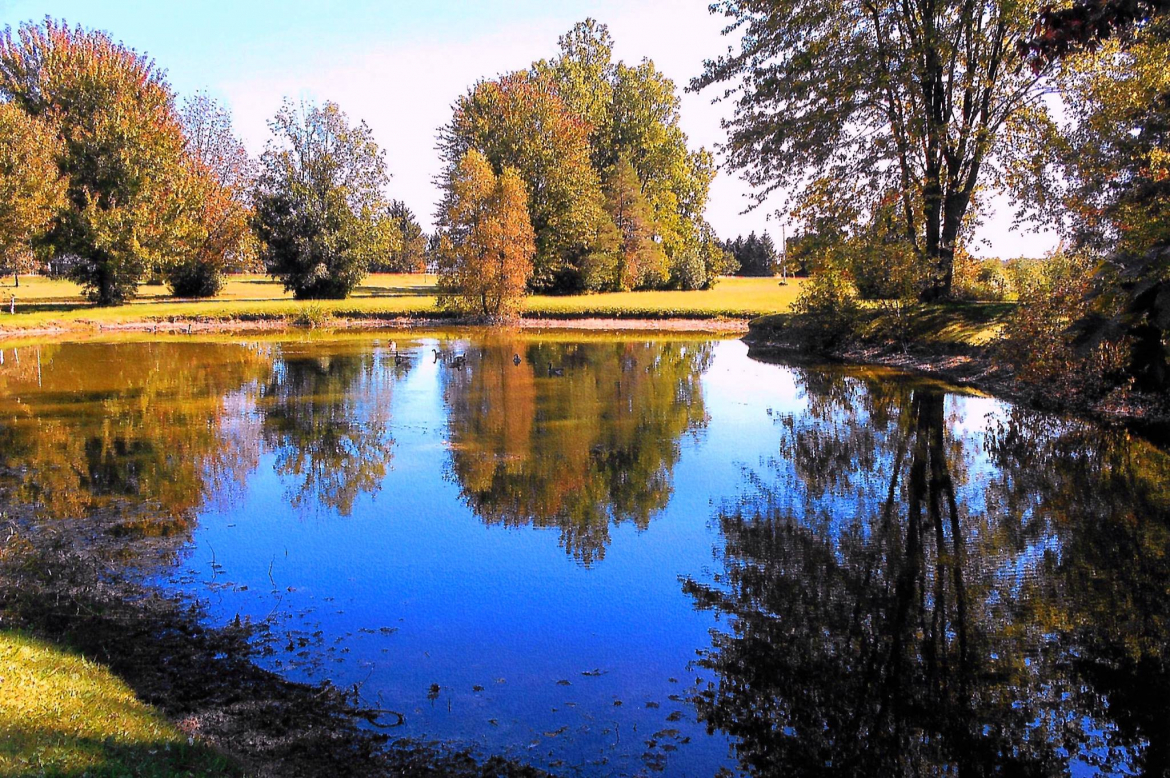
[
  {"x": 487, "y": 243},
  {"x": 31, "y": 189}
]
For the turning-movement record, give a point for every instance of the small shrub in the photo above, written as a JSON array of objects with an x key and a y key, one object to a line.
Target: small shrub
[
  {"x": 313, "y": 315},
  {"x": 828, "y": 303},
  {"x": 1040, "y": 344},
  {"x": 193, "y": 278}
]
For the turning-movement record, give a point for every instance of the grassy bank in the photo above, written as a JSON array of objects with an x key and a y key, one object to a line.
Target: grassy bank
[
  {"x": 61, "y": 714},
  {"x": 47, "y": 303},
  {"x": 963, "y": 327}
]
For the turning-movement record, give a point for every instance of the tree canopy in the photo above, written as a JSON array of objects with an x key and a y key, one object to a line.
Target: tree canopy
[
  {"x": 31, "y": 188},
  {"x": 319, "y": 201},
  {"x": 909, "y": 101},
  {"x": 122, "y": 151}
]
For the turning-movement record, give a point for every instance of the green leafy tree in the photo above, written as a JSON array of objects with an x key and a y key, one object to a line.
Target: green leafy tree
[
  {"x": 408, "y": 251},
  {"x": 642, "y": 262},
  {"x": 920, "y": 98},
  {"x": 1115, "y": 188},
  {"x": 520, "y": 121},
  {"x": 319, "y": 202},
  {"x": 31, "y": 189},
  {"x": 633, "y": 115},
  {"x": 122, "y": 151}
]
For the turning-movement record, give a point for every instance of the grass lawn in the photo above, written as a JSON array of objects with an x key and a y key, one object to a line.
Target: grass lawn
[
  {"x": 62, "y": 715},
  {"x": 42, "y": 302}
]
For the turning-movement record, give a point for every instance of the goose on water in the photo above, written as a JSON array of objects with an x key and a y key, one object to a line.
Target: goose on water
[{"x": 555, "y": 371}]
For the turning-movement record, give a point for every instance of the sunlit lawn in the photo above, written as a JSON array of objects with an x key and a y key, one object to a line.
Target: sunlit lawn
[
  {"x": 42, "y": 301},
  {"x": 61, "y": 715}
]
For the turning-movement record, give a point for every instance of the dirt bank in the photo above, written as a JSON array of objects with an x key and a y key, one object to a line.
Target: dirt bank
[
  {"x": 973, "y": 366},
  {"x": 713, "y": 326}
]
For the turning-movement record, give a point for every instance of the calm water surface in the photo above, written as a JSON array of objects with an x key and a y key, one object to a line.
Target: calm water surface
[{"x": 672, "y": 558}]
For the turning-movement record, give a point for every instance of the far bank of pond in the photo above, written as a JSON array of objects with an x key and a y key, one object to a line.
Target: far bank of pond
[{"x": 592, "y": 553}]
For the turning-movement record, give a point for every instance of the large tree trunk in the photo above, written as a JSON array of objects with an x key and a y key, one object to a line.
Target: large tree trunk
[{"x": 942, "y": 236}]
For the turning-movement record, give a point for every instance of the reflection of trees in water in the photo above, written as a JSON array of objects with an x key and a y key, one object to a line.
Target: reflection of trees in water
[
  {"x": 92, "y": 430},
  {"x": 327, "y": 418},
  {"x": 898, "y": 608},
  {"x": 150, "y": 432},
  {"x": 578, "y": 452}
]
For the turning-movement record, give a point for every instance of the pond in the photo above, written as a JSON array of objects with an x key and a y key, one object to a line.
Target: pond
[{"x": 633, "y": 554}]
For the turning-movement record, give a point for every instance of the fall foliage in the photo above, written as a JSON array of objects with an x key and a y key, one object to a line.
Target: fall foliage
[
  {"x": 122, "y": 151},
  {"x": 31, "y": 189},
  {"x": 488, "y": 243}
]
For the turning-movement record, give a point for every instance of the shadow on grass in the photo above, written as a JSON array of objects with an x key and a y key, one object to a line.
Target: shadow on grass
[{"x": 28, "y": 752}]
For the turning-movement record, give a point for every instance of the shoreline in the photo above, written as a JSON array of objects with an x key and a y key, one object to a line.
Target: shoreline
[
  {"x": 972, "y": 367},
  {"x": 197, "y": 325}
]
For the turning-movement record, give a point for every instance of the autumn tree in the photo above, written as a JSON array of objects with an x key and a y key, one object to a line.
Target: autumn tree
[
  {"x": 220, "y": 178},
  {"x": 920, "y": 98},
  {"x": 488, "y": 241},
  {"x": 31, "y": 189},
  {"x": 122, "y": 151},
  {"x": 408, "y": 252},
  {"x": 319, "y": 202},
  {"x": 520, "y": 121}
]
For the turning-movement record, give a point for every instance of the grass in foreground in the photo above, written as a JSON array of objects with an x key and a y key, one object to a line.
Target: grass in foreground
[
  {"x": 62, "y": 715},
  {"x": 44, "y": 302}
]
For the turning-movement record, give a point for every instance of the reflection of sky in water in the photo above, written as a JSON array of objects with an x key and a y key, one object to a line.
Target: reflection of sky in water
[{"x": 509, "y": 610}]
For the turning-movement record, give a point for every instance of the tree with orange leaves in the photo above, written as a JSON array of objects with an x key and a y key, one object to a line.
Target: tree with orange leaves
[
  {"x": 520, "y": 121},
  {"x": 31, "y": 189},
  {"x": 123, "y": 151},
  {"x": 219, "y": 179},
  {"x": 487, "y": 242}
]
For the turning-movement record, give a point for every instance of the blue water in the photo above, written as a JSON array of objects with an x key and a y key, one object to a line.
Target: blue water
[{"x": 674, "y": 558}]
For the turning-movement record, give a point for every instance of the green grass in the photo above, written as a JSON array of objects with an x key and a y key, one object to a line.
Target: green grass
[
  {"x": 43, "y": 302},
  {"x": 63, "y": 715},
  {"x": 947, "y": 325}
]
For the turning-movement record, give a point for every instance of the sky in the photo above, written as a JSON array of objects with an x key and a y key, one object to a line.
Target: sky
[{"x": 399, "y": 66}]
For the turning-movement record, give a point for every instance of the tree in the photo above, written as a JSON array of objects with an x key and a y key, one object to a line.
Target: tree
[
  {"x": 319, "y": 203},
  {"x": 633, "y": 114},
  {"x": 31, "y": 189},
  {"x": 409, "y": 250},
  {"x": 1117, "y": 188},
  {"x": 122, "y": 151},
  {"x": 221, "y": 177},
  {"x": 642, "y": 263},
  {"x": 916, "y": 97},
  {"x": 489, "y": 243},
  {"x": 520, "y": 121},
  {"x": 756, "y": 254}
]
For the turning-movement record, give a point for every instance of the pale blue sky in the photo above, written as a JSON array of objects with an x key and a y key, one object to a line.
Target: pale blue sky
[{"x": 399, "y": 65}]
